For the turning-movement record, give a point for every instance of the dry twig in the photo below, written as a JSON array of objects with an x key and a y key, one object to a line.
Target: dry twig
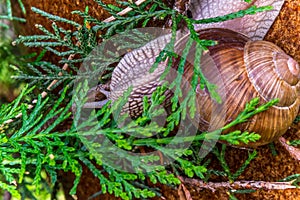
[{"x": 238, "y": 185}]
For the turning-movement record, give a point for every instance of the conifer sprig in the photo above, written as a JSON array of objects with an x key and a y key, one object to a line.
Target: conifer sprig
[{"x": 37, "y": 143}]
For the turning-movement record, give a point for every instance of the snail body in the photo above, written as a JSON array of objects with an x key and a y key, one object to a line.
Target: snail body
[{"x": 134, "y": 71}]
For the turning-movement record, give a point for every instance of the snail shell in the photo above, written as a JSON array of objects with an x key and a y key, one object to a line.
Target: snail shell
[{"x": 249, "y": 69}]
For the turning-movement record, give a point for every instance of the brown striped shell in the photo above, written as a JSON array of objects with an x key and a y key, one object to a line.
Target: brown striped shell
[{"x": 249, "y": 69}]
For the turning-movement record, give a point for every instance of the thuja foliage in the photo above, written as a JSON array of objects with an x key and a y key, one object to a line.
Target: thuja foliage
[
  {"x": 7, "y": 14},
  {"x": 121, "y": 152}
]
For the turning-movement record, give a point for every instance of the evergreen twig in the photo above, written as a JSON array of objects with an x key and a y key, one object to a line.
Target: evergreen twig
[{"x": 31, "y": 141}]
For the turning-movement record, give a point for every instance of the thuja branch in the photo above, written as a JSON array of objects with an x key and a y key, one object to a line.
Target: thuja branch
[
  {"x": 250, "y": 11},
  {"x": 250, "y": 111},
  {"x": 124, "y": 12},
  {"x": 293, "y": 151},
  {"x": 234, "y": 137},
  {"x": 71, "y": 56}
]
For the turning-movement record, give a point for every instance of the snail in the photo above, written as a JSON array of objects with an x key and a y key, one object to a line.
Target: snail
[{"x": 249, "y": 69}]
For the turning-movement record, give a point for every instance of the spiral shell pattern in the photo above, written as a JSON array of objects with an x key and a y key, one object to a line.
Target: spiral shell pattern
[
  {"x": 250, "y": 69},
  {"x": 272, "y": 73}
]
